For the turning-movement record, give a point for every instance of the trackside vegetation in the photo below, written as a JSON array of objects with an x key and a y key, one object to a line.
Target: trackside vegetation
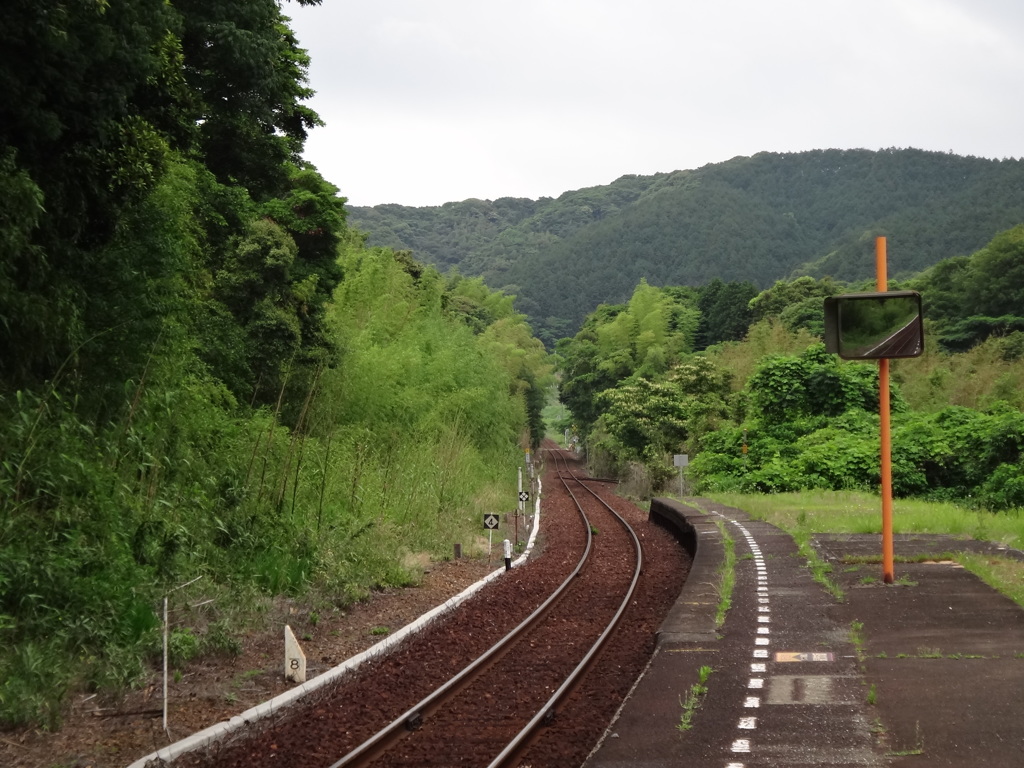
[
  {"x": 209, "y": 378},
  {"x": 805, "y": 513},
  {"x": 774, "y": 413},
  {"x": 206, "y": 377},
  {"x": 397, "y": 448}
]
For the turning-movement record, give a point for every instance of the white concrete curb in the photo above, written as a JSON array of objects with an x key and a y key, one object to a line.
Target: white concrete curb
[{"x": 214, "y": 732}]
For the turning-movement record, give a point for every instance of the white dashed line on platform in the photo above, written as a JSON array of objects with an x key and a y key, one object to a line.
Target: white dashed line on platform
[{"x": 760, "y": 640}]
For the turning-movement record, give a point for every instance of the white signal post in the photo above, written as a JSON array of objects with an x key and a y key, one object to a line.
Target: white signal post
[
  {"x": 490, "y": 523},
  {"x": 522, "y": 504},
  {"x": 520, "y": 489}
]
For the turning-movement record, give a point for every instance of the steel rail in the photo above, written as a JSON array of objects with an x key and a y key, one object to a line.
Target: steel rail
[
  {"x": 381, "y": 741},
  {"x": 524, "y": 738},
  {"x": 411, "y": 718}
]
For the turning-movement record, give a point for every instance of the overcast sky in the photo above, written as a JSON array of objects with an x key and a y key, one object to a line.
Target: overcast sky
[{"x": 430, "y": 102}]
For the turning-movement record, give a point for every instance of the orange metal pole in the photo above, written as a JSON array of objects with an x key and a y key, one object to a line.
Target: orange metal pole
[{"x": 888, "y": 574}]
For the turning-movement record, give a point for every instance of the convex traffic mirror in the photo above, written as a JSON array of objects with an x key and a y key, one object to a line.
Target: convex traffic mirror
[{"x": 870, "y": 326}]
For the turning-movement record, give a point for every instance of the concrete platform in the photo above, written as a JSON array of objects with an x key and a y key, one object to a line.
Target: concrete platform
[{"x": 927, "y": 672}]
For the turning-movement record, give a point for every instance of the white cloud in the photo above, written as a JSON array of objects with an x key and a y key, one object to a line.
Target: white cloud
[{"x": 430, "y": 102}]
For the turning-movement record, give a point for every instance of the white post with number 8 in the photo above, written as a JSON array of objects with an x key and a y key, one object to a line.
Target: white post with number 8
[{"x": 294, "y": 658}]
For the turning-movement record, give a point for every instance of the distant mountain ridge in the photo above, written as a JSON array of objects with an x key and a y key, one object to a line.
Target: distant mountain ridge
[{"x": 761, "y": 218}]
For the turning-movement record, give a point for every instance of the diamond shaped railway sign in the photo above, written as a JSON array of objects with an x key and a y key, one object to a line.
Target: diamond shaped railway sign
[
  {"x": 524, "y": 496},
  {"x": 490, "y": 522}
]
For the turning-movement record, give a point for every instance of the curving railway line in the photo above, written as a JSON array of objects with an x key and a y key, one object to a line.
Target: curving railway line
[{"x": 503, "y": 680}]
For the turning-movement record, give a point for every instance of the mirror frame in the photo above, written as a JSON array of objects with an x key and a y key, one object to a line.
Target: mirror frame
[{"x": 834, "y": 325}]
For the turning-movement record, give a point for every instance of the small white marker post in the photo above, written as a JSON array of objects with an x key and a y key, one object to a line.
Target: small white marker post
[
  {"x": 167, "y": 632},
  {"x": 508, "y": 554},
  {"x": 294, "y": 658},
  {"x": 681, "y": 460}
]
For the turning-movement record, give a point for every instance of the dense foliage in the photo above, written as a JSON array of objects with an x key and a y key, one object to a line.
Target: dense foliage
[
  {"x": 812, "y": 423},
  {"x": 973, "y": 298},
  {"x": 760, "y": 219},
  {"x": 203, "y": 372},
  {"x": 775, "y": 413},
  {"x": 629, "y": 377}
]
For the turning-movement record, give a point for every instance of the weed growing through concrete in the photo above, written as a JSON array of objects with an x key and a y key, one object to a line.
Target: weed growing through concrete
[
  {"x": 819, "y": 568},
  {"x": 694, "y": 698},
  {"x": 857, "y": 638},
  {"x": 727, "y": 575},
  {"x": 852, "y": 512}
]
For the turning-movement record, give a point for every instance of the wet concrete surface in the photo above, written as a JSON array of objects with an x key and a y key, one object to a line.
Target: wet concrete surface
[{"x": 926, "y": 672}]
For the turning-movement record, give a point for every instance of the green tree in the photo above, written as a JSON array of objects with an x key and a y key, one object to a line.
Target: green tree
[
  {"x": 219, "y": 83},
  {"x": 643, "y": 420},
  {"x": 973, "y": 298},
  {"x": 812, "y": 385},
  {"x": 641, "y": 339},
  {"x": 785, "y": 294},
  {"x": 725, "y": 311},
  {"x": 248, "y": 79},
  {"x": 90, "y": 152}
]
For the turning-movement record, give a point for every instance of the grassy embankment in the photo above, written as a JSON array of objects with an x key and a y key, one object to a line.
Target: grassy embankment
[{"x": 804, "y": 514}]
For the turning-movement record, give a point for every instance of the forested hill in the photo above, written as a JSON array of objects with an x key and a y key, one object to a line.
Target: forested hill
[{"x": 757, "y": 218}]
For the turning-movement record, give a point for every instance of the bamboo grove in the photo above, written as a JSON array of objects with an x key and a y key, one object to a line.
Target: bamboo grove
[{"x": 204, "y": 372}]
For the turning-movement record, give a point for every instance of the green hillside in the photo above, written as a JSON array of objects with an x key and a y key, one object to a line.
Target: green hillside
[{"x": 759, "y": 218}]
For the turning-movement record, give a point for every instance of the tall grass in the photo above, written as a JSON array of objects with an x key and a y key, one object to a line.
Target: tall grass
[
  {"x": 977, "y": 378},
  {"x": 806, "y": 513},
  {"x": 857, "y": 512},
  {"x": 394, "y": 451},
  {"x": 726, "y": 574}
]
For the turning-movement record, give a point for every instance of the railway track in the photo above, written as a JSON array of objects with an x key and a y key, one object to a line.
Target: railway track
[
  {"x": 485, "y": 697},
  {"x": 449, "y": 699}
]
